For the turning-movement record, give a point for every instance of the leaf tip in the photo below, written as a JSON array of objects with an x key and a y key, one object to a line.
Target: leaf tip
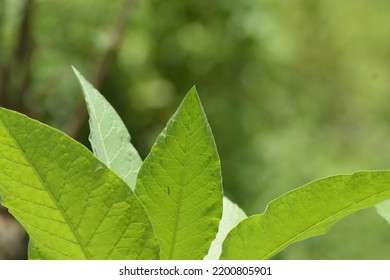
[
  {"x": 193, "y": 94},
  {"x": 75, "y": 71},
  {"x": 193, "y": 91}
]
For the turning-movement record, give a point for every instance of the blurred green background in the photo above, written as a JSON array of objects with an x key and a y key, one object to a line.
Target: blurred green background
[{"x": 293, "y": 90}]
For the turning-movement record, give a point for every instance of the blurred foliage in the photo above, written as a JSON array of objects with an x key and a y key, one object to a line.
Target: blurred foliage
[{"x": 294, "y": 90}]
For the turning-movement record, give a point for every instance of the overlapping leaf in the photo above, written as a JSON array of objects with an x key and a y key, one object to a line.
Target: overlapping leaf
[
  {"x": 74, "y": 207},
  {"x": 180, "y": 184},
  {"x": 109, "y": 137},
  {"x": 305, "y": 212},
  {"x": 231, "y": 216},
  {"x": 70, "y": 203},
  {"x": 383, "y": 210}
]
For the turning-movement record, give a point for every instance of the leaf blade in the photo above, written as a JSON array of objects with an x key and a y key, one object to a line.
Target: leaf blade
[
  {"x": 66, "y": 199},
  {"x": 305, "y": 212},
  {"x": 109, "y": 137},
  {"x": 180, "y": 183}
]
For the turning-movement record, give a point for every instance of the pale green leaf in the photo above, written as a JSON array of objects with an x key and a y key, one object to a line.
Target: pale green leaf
[
  {"x": 305, "y": 212},
  {"x": 70, "y": 203},
  {"x": 231, "y": 216},
  {"x": 383, "y": 210},
  {"x": 180, "y": 184},
  {"x": 109, "y": 137}
]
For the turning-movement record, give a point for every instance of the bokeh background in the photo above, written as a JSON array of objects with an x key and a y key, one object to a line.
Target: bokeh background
[{"x": 293, "y": 90}]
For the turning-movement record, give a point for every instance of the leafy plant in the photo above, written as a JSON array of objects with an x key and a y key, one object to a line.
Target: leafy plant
[{"x": 111, "y": 205}]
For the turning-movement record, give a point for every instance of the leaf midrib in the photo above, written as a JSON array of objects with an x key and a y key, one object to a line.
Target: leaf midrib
[
  {"x": 176, "y": 226},
  {"x": 296, "y": 237},
  {"x": 92, "y": 109},
  {"x": 73, "y": 230}
]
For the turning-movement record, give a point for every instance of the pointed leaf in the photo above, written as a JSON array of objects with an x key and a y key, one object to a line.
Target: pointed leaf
[
  {"x": 180, "y": 184},
  {"x": 231, "y": 216},
  {"x": 70, "y": 203},
  {"x": 305, "y": 212},
  {"x": 109, "y": 137}
]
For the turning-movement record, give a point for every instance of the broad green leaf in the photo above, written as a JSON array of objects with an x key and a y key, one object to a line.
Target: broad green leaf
[
  {"x": 231, "y": 216},
  {"x": 109, "y": 137},
  {"x": 70, "y": 203},
  {"x": 180, "y": 184},
  {"x": 305, "y": 212},
  {"x": 383, "y": 210}
]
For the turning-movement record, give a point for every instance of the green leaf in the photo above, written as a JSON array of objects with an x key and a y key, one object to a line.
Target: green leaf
[
  {"x": 70, "y": 203},
  {"x": 231, "y": 216},
  {"x": 34, "y": 253},
  {"x": 109, "y": 137},
  {"x": 180, "y": 184},
  {"x": 305, "y": 212},
  {"x": 383, "y": 210}
]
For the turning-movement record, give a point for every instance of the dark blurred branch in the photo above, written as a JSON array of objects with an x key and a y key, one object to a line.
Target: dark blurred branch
[
  {"x": 76, "y": 120},
  {"x": 3, "y": 78},
  {"x": 4, "y": 82},
  {"x": 23, "y": 54},
  {"x": 123, "y": 20},
  {"x": 16, "y": 73},
  {"x": 24, "y": 47},
  {"x": 2, "y": 12}
]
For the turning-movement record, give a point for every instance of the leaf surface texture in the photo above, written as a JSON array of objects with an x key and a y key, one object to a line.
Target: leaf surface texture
[
  {"x": 70, "y": 203},
  {"x": 109, "y": 137},
  {"x": 180, "y": 184}
]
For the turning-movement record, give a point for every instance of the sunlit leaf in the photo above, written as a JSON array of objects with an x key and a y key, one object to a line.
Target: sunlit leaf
[
  {"x": 180, "y": 184},
  {"x": 305, "y": 212},
  {"x": 70, "y": 203},
  {"x": 109, "y": 137}
]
